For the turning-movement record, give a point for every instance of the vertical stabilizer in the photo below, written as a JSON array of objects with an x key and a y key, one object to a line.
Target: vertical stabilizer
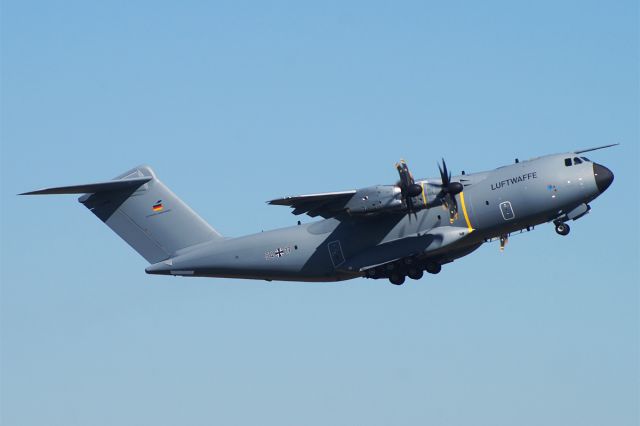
[
  {"x": 148, "y": 216},
  {"x": 143, "y": 212}
]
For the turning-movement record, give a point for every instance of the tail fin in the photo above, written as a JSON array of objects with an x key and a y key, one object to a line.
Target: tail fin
[{"x": 143, "y": 212}]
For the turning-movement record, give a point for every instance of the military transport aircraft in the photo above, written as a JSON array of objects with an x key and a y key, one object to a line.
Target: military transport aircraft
[{"x": 382, "y": 231}]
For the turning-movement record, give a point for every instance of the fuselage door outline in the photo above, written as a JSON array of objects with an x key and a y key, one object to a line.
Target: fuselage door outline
[
  {"x": 335, "y": 253},
  {"x": 507, "y": 210}
]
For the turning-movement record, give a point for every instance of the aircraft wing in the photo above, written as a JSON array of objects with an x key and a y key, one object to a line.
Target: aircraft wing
[{"x": 327, "y": 204}]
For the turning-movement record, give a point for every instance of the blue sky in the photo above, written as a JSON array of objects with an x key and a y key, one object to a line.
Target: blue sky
[{"x": 235, "y": 103}]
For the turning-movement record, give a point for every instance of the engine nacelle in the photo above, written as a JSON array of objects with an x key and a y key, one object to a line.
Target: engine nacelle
[{"x": 376, "y": 199}]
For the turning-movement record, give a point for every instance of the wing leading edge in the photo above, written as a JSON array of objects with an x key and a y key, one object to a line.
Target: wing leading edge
[{"x": 326, "y": 204}]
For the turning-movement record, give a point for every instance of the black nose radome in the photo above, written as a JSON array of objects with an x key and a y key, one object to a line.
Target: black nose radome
[{"x": 603, "y": 176}]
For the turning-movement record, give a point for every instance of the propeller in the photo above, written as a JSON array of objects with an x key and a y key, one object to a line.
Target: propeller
[
  {"x": 448, "y": 191},
  {"x": 408, "y": 187}
]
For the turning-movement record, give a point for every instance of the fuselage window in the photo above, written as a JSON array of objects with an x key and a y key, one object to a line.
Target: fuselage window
[
  {"x": 576, "y": 160},
  {"x": 567, "y": 162}
]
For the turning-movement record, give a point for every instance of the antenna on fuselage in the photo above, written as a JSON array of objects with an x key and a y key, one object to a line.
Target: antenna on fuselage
[{"x": 596, "y": 148}]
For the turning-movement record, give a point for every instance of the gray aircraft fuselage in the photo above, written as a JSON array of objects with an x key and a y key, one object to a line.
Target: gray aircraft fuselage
[{"x": 493, "y": 204}]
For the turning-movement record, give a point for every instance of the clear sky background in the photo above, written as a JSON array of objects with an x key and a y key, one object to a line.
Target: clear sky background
[{"x": 234, "y": 103}]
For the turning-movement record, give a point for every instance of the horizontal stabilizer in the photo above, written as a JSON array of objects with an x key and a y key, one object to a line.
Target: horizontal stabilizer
[{"x": 90, "y": 188}]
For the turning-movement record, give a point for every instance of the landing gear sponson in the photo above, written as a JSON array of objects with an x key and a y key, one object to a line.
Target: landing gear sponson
[{"x": 397, "y": 271}]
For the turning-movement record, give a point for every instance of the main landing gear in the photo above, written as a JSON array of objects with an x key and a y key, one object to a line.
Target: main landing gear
[
  {"x": 396, "y": 278},
  {"x": 562, "y": 228},
  {"x": 433, "y": 267},
  {"x": 415, "y": 273},
  {"x": 397, "y": 272}
]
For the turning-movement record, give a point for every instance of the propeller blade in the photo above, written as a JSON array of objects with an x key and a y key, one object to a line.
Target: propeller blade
[
  {"x": 407, "y": 185},
  {"x": 405, "y": 175},
  {"x": 445, "y": 174},
  {"x": 448, "y": 191},
  {"x": 453, "y": 208},
  {"x": 451, "y": 205}
]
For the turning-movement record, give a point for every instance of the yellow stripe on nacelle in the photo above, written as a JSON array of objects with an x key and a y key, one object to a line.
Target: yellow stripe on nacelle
[
  {"x": 464, "y": 212},
  {"x": 424, "y": 194}
]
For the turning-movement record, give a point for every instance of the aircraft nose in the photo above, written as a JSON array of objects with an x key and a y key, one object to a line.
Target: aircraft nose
[{"x": 603, "y": 176}]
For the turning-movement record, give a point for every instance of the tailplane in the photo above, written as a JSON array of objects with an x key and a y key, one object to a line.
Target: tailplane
[{"x": 143, "y": 212}]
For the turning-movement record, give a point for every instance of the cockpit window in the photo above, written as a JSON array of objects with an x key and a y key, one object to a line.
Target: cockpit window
[
  {"x": 576, "y": 160},
  {"x": 586, "y": 159},
  {"x": 567, "y": 162}
]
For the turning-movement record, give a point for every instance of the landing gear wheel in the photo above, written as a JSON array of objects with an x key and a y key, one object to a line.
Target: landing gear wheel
[
  {"x": 562, "y": 228},
  {"x": 414, "y": 273},
  {"x": 433, "y": 268},
  {"x": 396, "y": 279}
]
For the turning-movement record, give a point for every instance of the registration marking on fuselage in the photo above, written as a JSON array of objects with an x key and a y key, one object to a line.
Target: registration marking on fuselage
[{"x": 277, "y": 253}]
